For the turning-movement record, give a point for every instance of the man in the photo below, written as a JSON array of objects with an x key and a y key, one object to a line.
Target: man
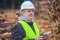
[{"x": 26, "y": 28}]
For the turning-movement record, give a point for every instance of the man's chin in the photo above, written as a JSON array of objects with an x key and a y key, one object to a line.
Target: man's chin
[{"x": 30, "y": 18}]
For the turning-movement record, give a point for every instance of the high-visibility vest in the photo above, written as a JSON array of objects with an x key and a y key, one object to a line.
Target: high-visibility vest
[{"x": 29, "y": 32}]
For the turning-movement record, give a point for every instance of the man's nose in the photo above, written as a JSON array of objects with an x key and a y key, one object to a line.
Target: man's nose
[{"x": 31, "y": 13}]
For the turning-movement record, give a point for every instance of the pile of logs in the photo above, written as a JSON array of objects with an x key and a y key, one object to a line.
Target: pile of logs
[
  {"x": 47, "y": 16},
  {"x": 7, "y": 19}
]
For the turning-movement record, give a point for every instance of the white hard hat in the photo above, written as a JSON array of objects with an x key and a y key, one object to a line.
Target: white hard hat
[{"x": 27, "y": 5}]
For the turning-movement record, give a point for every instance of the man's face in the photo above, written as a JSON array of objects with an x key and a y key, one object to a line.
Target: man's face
[{"x": 28, "y": 14}]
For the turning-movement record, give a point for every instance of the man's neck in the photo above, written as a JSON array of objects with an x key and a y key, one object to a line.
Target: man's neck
[{"x": 27, "y": 20}]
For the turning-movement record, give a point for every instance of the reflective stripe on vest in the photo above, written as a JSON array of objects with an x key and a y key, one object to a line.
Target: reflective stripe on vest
[{"x": 29, "y": 32}]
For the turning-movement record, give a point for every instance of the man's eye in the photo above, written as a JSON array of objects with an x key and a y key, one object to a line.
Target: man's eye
[
  {"x": 32, "y": 10},
  {"x": 29, "y": 11}
]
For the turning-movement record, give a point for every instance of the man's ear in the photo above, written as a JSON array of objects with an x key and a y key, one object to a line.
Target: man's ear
[{"x": 21, "y": 12}]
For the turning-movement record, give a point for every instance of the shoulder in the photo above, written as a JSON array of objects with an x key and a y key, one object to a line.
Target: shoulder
[{"x": 17, "y": 26}]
